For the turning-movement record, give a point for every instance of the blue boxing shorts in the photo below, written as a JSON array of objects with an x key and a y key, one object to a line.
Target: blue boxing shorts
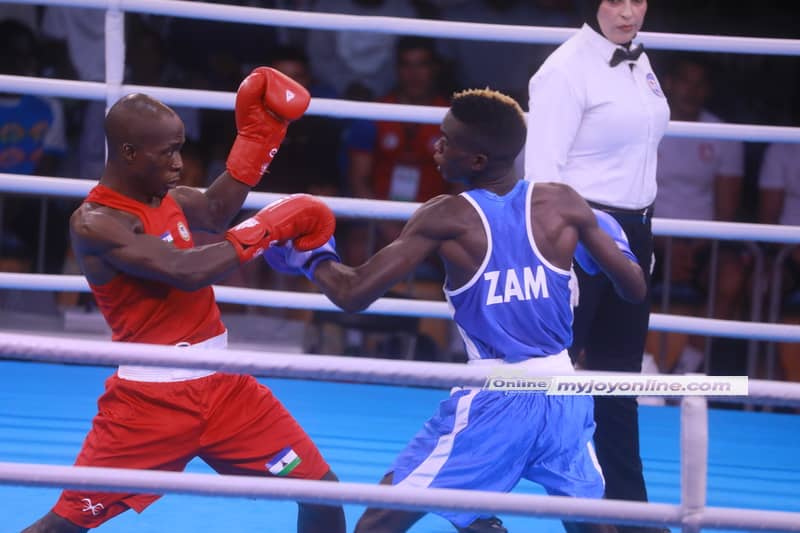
[{"x": 489, "y": 440}]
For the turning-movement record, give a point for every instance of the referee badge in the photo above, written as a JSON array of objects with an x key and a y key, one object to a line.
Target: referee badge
[{"x": 653, "y": 83}]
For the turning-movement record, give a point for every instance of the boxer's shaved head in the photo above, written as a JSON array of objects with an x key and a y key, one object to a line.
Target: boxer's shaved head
[{"x": 131, "y": 120}]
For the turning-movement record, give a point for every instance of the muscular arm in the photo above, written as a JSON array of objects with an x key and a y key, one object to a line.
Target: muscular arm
[
  {"x": 106, "y": 242},
  {"x": 355, "y": 288},
  {"x": 213, "y": 209},
  {"x": 626, "y": 275}
]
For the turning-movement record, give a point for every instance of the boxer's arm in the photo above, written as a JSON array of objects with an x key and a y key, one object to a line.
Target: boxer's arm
[
  {"x": 625, "y": 274},
  {"x": 214, "y": 209},
  {"x": 106, "y": 243},
  {"x": 355, "y": 288},
  {"x": 267, "y": 101}
]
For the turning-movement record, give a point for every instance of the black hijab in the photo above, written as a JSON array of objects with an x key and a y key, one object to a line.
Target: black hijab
[{"x": 587, "y": 9}]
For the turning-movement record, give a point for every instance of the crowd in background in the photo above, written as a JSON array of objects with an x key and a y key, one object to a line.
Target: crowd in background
[{"x": 698, "y": 179}]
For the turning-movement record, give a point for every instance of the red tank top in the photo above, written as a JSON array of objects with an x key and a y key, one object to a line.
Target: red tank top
[{"x": 139, "y": 310}]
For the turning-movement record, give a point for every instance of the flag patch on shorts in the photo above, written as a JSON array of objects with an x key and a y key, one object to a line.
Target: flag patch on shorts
[{"x": 283, "y": 463}]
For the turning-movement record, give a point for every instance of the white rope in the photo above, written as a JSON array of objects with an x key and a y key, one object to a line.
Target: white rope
[
  {"x": 429, "y": 499},
  {"x": 749, "y": 520},
  {"x": 694, "y": 460},
  {"x": 351, "y": 109},
  {"x": 734, "y": 329},
  {"x": 427, "y": 28},
  {"x": 325, "y": 492},
  {"x": 389, "y": 210},
  {"x": 51, "y": 349}
]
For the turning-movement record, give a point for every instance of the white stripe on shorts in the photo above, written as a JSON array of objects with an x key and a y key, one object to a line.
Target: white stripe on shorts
[{"x": 424, "y": 474}]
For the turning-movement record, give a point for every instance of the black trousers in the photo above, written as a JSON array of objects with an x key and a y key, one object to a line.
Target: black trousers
[{"x": 612, "y": 332}]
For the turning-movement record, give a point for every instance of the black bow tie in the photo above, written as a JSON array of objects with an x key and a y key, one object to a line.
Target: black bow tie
[{"x": 623, "y": 54}]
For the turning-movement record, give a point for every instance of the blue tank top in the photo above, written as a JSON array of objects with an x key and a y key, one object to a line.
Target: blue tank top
[{"x": 517, "y": 305}]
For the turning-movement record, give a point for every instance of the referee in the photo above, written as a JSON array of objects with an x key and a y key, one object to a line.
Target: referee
[{"x": 597, "y": 115}]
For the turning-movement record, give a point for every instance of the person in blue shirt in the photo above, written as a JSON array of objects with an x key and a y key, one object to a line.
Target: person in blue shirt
[{"x": 507, "y": 246}]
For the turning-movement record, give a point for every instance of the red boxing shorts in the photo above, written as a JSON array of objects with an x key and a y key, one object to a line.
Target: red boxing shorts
[{"x": 232, "y": 422}]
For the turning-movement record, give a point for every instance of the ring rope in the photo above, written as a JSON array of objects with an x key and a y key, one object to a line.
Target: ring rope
[
  {"x": 392, "y": 210},
  {"x": 53, "y": 349},
  {"x": 88, "y": 90},
  {"x": 735, "y": 329},
  {"x": 412, "y": 498},
  {"x": 422, "y": 27},
  {"x": 428, "y": 499}
]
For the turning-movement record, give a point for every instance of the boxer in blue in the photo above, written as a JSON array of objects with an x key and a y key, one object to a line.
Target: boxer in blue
[{"x": 507, "y": 246}]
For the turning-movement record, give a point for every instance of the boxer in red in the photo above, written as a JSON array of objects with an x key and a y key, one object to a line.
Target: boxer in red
[{"x": 132, "y": 237}]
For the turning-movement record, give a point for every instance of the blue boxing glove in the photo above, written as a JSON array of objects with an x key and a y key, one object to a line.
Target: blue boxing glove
[
  {"x": 608, "y": 224},
  {"x": 286, "y": 259}
]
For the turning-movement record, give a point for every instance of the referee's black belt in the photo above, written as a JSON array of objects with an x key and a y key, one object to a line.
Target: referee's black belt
[{"x": 642, "y": 213}]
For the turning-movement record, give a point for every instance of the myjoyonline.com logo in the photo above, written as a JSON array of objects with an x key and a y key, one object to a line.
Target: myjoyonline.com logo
[{"x": 508, "y": 380}]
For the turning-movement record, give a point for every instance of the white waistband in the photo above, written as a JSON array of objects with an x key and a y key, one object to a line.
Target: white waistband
[
  {"x": 551, "y": 365},
  {"x": 167, "y": 374}
]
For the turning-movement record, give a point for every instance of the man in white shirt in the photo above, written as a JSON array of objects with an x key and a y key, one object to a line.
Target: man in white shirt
[
  {"x": 699, "y": 179},
  {"x": 597, "y": 114}
]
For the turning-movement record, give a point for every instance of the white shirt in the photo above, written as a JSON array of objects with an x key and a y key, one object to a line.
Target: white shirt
[
  {"x": 687, "y": 172},
  {"x": 595, "y": 127},
  {"x": 84, "y": 31},
  {"x": 780, "y": 170}
]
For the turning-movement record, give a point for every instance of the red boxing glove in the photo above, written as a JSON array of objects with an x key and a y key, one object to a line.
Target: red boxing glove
[
  {"x": 266, "y": 102},
  {"x": 300, "y": 217}
]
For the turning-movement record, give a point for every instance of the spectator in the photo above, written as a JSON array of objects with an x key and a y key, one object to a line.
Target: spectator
[
  {"x": 699, "y": 179},
  {"x": 779, "y": 203},
  {"x": 15, "y": 256},
  {"x": 505, "y": 66},
  {"x": 394, "y": 160},
  {"x": 33, "y": 137},
  {"x": 32, "y": 142},
  {"x": 357, "y": 64},
  {"x": 83, "y": 32}
]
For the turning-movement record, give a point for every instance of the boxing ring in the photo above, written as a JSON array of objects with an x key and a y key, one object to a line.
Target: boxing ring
[{"x": 719, "y": 469}]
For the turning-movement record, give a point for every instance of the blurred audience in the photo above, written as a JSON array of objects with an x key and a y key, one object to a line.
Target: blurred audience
[
  {"x": 394, "y": 160},
  {"x": 357, "y": 64},
  {"x": 504, "y": 66},
  {"x": 308, "y": 160},
  {"x": 17, "y": 257},
  {"x": 698, "y": 179},
  {"x": 32, "y": 141},
  {"x": 779, "y": 203}
]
